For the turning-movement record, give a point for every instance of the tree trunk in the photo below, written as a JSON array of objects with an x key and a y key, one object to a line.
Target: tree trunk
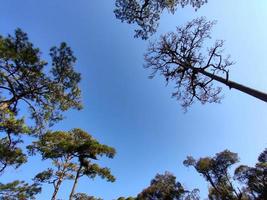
[
  {"x": 231, "y": 84},
  {"x": 57, "y": 188},
  {"x": 61, "y": 177},
  {"x": 75, "y": 182}
]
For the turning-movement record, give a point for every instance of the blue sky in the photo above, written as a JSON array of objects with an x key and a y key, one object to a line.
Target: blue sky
[{"x": 136, "y": 115}]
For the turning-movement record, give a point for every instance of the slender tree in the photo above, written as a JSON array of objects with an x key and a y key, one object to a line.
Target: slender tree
[
  {"x": 72, "y": 154},
  {"x": 54, "y": 146},
  {"x": 63, "y": 170},
  {"x": 146, "y": 13},
  {"x": 86, "y": 149},
  {"x": 181, "y": 57}
]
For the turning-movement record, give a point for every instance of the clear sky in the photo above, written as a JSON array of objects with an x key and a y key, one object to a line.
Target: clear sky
[{"x": 136, "y": 115}]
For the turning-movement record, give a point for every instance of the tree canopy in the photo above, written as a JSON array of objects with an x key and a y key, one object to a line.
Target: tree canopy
[
  {"x": 146, "y": 13},
  {"x": 18, "y": 190},
  {"x": 72, "y": 153},
  {"x": 255, "y": 178},
  {"x": 26, "y": 78},
  {"x": 165, "y": 187}
]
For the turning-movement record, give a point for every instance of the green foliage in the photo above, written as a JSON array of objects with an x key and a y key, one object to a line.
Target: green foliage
[
  {"x": 26, "y": 78},
  {"x": 215, "y": 170},
  {"x": 162, "y": 187},
  {"x": 72, "y": 154},
  {"x": 146, "y": 13},
  {"x": 62, "y": 171},
  {"x": 18, "y": 190},
  {"x": 26, "y": 81},
  {"x": 165, "y": 187},
  {"x": 251, "y": 185},
  {"x": 10, "y": 153},
  {"x": 254, "y": 178},
  {"x": 82, "y": 196},
  {"x": 10, "y": 124},
  {"x": 74, "y": 144},
  {"x": 128, "y": 198},
  {"x": 44, "y": 176}
]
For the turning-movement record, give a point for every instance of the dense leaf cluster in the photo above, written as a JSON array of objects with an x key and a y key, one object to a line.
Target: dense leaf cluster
[{"x": 146, "y": 13}]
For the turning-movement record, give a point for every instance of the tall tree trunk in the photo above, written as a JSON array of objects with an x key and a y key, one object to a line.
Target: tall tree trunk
[
  {"x": 62, "y": 175},
  {"x": 56, "y": 188},
  {"x": 75, "y": 182},
  {"x": 231, "y": 84}
]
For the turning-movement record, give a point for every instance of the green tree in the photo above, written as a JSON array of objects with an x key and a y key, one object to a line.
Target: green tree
[
  {"x": 181, "y": 57},
  {"x": 254, "y": 178},
  {"x": 72, "y": 154},
  {"x": 26, "y": 78},
  {"x": 26, "y": 81},
  {"x": 215, "y": 170},
  {"x": 165, "y": 187},
  {"x": 146, "y": 13}
]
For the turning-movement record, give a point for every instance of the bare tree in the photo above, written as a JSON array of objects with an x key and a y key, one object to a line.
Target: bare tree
[{"x": 181, "y": 57}]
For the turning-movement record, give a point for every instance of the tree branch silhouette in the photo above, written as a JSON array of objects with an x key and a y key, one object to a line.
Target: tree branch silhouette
[{"x": 180, "y": 57}]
